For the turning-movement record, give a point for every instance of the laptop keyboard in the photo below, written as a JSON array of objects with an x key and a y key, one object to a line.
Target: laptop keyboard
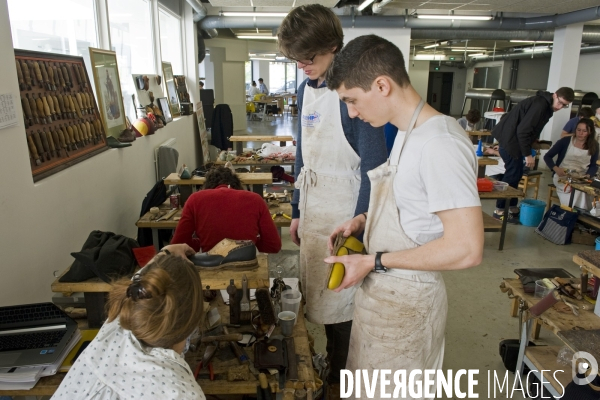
[
  {"x": 33, "y": 312},
  {"x": 28, "y": 341}
]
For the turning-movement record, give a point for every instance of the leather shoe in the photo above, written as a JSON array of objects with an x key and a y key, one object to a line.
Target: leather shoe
[
  {"x": 127, "y": 136},
  {"x": 228, "y": 254},
  {"x": 114, "y": 143}
]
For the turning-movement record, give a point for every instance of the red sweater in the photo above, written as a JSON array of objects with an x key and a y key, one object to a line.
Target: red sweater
[{"x": 224, "y": 213}]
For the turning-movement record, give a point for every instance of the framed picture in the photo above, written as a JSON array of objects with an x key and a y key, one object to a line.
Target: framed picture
[
  {"x": 171, "y": 91},
  {"x": 108, "y": 90},
  {"x": 163, "y": 104}
]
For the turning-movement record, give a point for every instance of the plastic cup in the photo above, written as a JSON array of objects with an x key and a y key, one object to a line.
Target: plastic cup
[
  {"x": 287, "y": 320},
  {"x": 290, "y": 301},
  {"x": 540, "y": 289}
]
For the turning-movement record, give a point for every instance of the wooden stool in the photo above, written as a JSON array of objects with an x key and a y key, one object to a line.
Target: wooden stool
[
  {"x": 531, "y": 179},
  {"x": 552, "y": 196}
]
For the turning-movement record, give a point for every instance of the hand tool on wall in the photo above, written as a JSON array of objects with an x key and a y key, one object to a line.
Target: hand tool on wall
[
  {"x": 26, "y": 74},
  {"x": 20, "y": 76},
  {"x": 76, "y": 135},
  {"x": 56, "y": 140},
  {"x": 29, "y": 65},
  {"x": 27, "y": 110},
  {"x": 59, "y": 110},
  {"x": 51, "y": 76},
  {"x": 68, "y": 110},
  {"x": 90, "y": 129},
  {"x": 71, "y": 134},
  {"x": 79, "y": 103},
  {"x": 45, "y": 107},
  {"x": 66, "y": 74},
  {"x": 38, "y": 145},
  {"x": 32, "y": 107},
  {"x": 86, "y": 133},
  {"x": 75, "y": 105},
  {"x": 76, "y": 74},
  {"x": 38, "y": 74},
  {"x": 33, "y": 150},
  {"x": 51, "y": 146},
  {"x": 89, "y": 103},
  {"x": 63, "y": 140},
  {"x": 42, "y": 66},
  {"x": 82, "y": 75},
  {"x": 58, "y": 73},
  {"x": 98, "y": 126},
  {"x": 40, "y": 107},
  {"x": 45, "y": 146},
  {"x": 49, "y": 103}
]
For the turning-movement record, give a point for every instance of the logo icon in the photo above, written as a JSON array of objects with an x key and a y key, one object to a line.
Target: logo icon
[
  {"x": 581, "y": 363},
  {"x": 309, "y": 120}
]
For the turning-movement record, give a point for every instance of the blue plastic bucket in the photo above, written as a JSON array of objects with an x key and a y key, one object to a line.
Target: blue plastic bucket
[
  {"x": 532, "y": 212},
  {"x": 598, "y": 243}
]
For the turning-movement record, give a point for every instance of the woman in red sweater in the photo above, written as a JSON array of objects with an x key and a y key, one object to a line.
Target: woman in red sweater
[{"x": 223, "y": 210}]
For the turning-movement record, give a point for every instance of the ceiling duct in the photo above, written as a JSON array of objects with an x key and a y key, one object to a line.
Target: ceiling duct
[
  {"x": 591, "y": 34},
  {"x": 378, "y": 7},
  {"x": 199, "y": 9},
  {"x": 524, "y": 55},
  {"x": 402, "y": 21}
]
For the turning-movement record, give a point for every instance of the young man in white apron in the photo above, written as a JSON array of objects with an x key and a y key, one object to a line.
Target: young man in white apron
[
  {"x": 334, "y": 153},
  {"x": 424, "y": 216}
]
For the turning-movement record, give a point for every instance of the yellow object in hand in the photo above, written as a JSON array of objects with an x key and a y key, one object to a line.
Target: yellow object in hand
[{"x": 351, "y": 245}]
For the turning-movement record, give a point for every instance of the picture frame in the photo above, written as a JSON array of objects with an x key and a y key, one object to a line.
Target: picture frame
[
  {"x": 170, "y": 89},
  {"x": 108, "y": 90},
  {"x": 163, "y": 104}
]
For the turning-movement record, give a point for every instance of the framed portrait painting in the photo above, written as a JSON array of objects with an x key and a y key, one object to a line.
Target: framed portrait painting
[
  {"x": 171, "y": 90},
  {"x": 108, "y": 90}
]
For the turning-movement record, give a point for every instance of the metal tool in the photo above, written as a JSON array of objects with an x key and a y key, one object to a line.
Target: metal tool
[
  {"x": 226, "y": 337},
  {"x": 280, "y": 214},
  {"x": 245, "y": 302},
  {"x": 33, "y": 150},
  {"x": 168, "y": 215}
]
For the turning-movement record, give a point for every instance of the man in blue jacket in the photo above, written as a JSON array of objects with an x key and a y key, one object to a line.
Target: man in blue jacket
[{"x": 517, "y": 131}]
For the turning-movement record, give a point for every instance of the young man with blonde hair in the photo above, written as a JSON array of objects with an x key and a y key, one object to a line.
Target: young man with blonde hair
[
  {"x": 334, "y": 154},
  {"x": 424, "y": 215}
]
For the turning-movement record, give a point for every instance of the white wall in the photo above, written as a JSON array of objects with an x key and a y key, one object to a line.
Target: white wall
[
  {"x": 533, "y": 73},
  {"x": 400, "y": 37},
  {"x": 588, "y": 73},
  {"x": 43, "y": 222},
  {"x": 418, "y": 72}
]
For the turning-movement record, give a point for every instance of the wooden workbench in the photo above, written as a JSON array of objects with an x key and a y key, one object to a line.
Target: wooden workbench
[
  {"x": 95, "y": 289},
  {"x": 509, "y": 193},
  {"x": 482, "y": 162},
  {"x": 256, "y": 180}
]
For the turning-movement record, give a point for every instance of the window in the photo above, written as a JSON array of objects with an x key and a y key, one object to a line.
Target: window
[
  {"x": 282, "y": 77},
  {"x": 248, "y": 66},
  {"x": 131, "y": 39},
  {"x": 57, "y": 26},
  {"x": 170, "y": 40}
]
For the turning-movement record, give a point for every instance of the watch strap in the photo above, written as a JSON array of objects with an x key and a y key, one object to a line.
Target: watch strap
[{"x": 378, "y": 266}]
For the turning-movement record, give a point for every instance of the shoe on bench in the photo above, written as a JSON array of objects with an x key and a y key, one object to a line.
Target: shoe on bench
[{"x": 227, "y": 254}]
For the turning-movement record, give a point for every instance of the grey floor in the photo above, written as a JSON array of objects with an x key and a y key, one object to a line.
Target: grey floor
[{"x": 478, "y": 315}]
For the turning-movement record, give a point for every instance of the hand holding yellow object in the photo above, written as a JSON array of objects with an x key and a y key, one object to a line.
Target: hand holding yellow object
[{"x": 343, "y": 247}]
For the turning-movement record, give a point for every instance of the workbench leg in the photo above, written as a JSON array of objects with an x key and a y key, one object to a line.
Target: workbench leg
[
  {"x": 537, "y": 326},
  {"x": 481, "y": 171},
  {"x": 514, "y": 307},
  {"x": 572, "y": 197},
  {"x": 279, "y": 231},
  {"x": 237, "y": 146},
  {"x": 94, "y": 304},
  {"x": 258, "y": 189},
  {"x": 282, "y": 143},
  {"x": 155, "y": 239},
  {"x": 504, "y": 222}
]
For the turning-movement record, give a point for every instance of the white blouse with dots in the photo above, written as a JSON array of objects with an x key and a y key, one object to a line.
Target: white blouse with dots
[{"x": 116, "y": 365}]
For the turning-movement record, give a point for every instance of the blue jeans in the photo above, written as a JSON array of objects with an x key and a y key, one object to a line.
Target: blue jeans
[{"x": 512, "y": 175}]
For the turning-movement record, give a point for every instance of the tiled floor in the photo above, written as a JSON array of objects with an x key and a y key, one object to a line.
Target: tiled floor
[{"x": 478, "y": 314}]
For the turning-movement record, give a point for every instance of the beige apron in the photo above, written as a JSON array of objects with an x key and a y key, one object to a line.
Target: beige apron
[
  {"x": 329, "y": 183},
  {"x": 400, "y": 316}
]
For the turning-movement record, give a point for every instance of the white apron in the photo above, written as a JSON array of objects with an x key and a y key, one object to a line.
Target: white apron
[
  {"x": 329, "y": 183},
  {"x": 579, "y": 160},
  {"x": 400, "y": 316}
]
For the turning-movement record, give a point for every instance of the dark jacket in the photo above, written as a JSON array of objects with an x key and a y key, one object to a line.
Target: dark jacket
[
  {"x": 561, "y": 148},
  {"x": 523, "y": 124},
  {"x": 222, "y": 127}
]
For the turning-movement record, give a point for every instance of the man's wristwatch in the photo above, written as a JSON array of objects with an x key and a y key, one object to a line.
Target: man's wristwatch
[{"x": 378, "y": 266}]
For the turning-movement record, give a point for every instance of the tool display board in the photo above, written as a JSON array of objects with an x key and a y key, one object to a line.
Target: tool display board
[{"x": 62, "y": 122}]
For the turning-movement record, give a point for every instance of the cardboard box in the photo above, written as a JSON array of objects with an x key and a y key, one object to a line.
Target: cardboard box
[{"x": 583, "y": 237}]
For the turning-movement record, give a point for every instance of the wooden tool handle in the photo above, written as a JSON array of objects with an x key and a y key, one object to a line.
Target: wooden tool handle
[
  {"x": 50, "y": 141},
  {"x": 56, "y": 105},
  {"x": 44, "y": 72},
  {"x": 76, "y": 73},
  {"x": 32, "y": 147},
  {"x": 32, "y": 106},
  {"x": 49, "y": 103},
  {"x": 224, "y": 338},
  {"x": 55, "y": 138},
  {"x": 63, "y": 139},
  {"x": 38, "y": 73},
  {"x": 26, "y": 75},
  {"x": 65, "y": 73},
  {"x": 20, "y": 75},
  {"x": 50, "y": 74},
  {"x": 45, "y": 145},
  {"x": 58, "y": 73},
  {"x": 40, "y": 107},
  {"x": 26, "y": 108}
]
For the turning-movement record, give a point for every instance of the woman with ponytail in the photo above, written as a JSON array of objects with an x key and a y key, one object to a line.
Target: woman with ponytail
[{"x": 138, "y": 352}]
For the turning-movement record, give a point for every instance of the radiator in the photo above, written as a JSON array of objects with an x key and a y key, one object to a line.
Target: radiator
[{"x": 167, "y": 143}]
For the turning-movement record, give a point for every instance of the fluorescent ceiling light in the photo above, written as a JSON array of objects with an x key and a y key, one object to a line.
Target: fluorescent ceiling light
[
  {"x": 257, "y": 37},
  {"x": 253, "y": 14},
  {"x": 365, "y": 4},
  {"x": 531, "y": 41},
  {"x": 465, "y": 17},
  {"x": 476, "y": 55},
  {"x": 430, "y": 57},
  {"x": 260, "y": 58},
  {"x": 533, "y": 49},
  {"x": 431, "y": 45},
  {"x": 467, "y": 50}
]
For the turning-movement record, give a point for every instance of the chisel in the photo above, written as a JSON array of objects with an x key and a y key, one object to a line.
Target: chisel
[
  {"x": 66, "y": 75},
  {"x": 45, "y": 144},
  {"x": 32, "y": 107},
  {"x": 38, "y": 74},
  {"x": 20, "y": 76},
  {"x": 27, "y": 110},
  {"x": 26, "y": 74},
  {"x": 38, "y": 145},
  {"x": 51, "y": 76},
  {"x": 51, "y": 143},
  {"x": 33, "y": 150},
  {"x": 45, "y": 75},
  {"x": 40, "y": 107},
  {"x": 56, "y": 140}
]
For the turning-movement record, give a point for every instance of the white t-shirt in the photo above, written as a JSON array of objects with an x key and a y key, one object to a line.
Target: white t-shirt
[{"x": 437, "y": 172}]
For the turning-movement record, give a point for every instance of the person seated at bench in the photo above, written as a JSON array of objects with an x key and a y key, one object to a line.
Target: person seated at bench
[
  {"x": 222, "y": 210},
  {"x": 577, "y": 155},
  {"x": 469, "y": 121},
  {"x": 138, "y": 352}
]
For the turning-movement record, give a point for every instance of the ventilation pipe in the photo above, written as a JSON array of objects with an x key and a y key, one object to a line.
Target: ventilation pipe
[
  {"x": 402, "y": 21},
  {"x": 378, "y": 7},
  {"x": 524, "y": 55},
  {"x": 199, "y": 10},
  {"x": 591, "y": 34}
]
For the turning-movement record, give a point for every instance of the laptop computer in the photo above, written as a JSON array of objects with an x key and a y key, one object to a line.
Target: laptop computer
[{"x": 33, "y": 334}]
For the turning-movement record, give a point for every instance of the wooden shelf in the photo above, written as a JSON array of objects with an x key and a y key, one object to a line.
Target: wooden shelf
[
  {"x": 544, "y": 358},
  {"x": 243, "y": 138},
  {"x": 593, "y": 269},
  {"x": 491, "y": 224},
  {"x": 246, "y": 178}
]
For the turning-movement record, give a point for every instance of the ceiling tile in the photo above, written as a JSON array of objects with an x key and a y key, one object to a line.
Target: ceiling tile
[
  {"x": 273, "y": 3},
  {"x": 230, "y": 3},
  {"x": 326, "y": 3}
]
